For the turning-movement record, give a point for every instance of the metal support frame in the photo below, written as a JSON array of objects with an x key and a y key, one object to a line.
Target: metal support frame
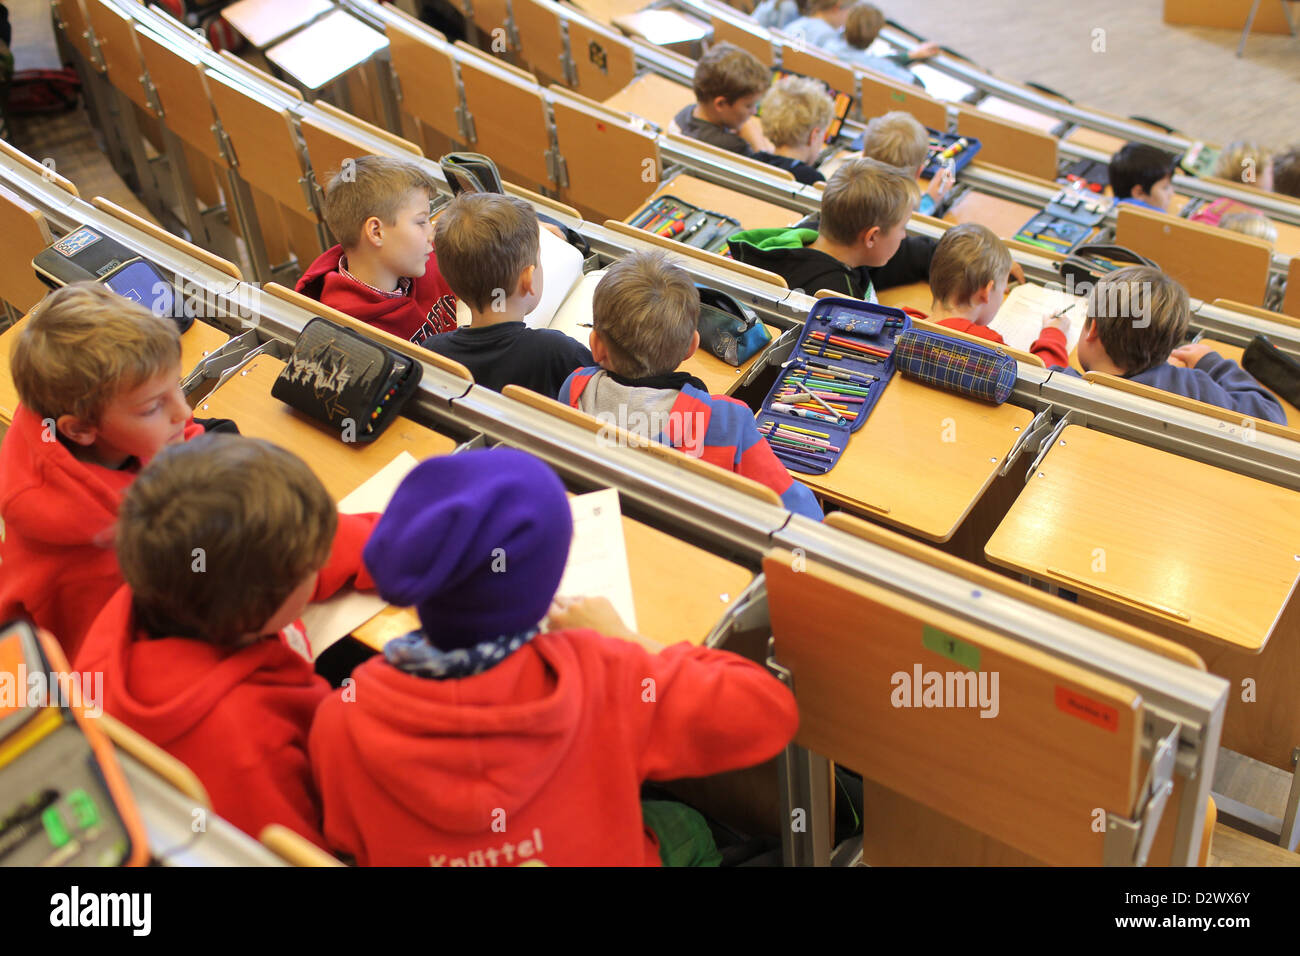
[{"x": 1128, "y": 841}]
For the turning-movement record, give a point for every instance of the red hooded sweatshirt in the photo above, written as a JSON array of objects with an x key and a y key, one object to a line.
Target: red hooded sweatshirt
[
  {"x": 424, "y": 306},
  {"x": 57, "y": 518},
  {"x": 539, "y": 759},
  {"x": 238, "y": 719},
  {"x": 1051, "y": 346}
]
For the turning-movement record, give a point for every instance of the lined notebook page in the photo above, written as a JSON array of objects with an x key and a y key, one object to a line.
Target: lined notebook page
[
  {"x": 598, "y": 559},
  {"x": 1020, "y": 320}
]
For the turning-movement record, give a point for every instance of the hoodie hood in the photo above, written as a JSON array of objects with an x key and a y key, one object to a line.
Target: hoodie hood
[
  {"x": 777, "y": 238},
  {"x": 163, "y": 688},
  {"x": 452, "y": 751},
  {"x": 788, "y": 253}
]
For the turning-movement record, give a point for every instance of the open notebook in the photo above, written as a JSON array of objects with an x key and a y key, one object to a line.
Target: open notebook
[
  {"x": 597, "y": 558},
  {"x": 561, "y": 273},
  {"x": 1020, "y": 320}
]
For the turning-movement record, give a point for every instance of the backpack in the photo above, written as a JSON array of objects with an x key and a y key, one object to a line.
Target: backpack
[{"x": 34, "y": 92}]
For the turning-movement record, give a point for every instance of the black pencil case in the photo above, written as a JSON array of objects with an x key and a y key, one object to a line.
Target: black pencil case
[
  {"x": 675, "y": 218},
  {"x": 1275, "y": 370},
  {"x": 850, "y": 383},
  {"x": 346, "y": 381}
]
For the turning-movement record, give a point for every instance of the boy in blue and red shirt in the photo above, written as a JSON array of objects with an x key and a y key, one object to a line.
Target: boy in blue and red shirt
[{"x": 644, "y": 325}]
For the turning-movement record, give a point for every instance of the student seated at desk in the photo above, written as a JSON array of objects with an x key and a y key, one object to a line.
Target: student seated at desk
[
  {"x": 1251, "y": 224},
  {"x": 476, "y": 740},
  {"x": 1142, "y": 175},
  {"x": 645, "y": 314},
  {"x": 1114, "y": 341},
  {"x": 898, "y": 139},
  {"x": 728, "y": 84},
  {"x": 98, "y": 381},
  {"x": 384, "y": 271},
  {"x": 968, "y": 278},
  {"x": 861, "y": 242},
  {"x": 861, "y": 28},
  {"x": 214, "y": 667},
  {"x": 490, "y": 258},
  {"x": 775, "y": 14},
  {"x": 1247, "y": 162},
  {"x": 796, "y": 113},
  {"x": 1286, "y": 172}
]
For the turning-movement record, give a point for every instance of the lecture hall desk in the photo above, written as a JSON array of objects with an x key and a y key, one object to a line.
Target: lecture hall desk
[
  {"x": 680, "y": 591},
  {"x": 652, "y": 97}
]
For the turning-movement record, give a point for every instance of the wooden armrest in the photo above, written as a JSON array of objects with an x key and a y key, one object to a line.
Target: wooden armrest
[
  {"x": 294, "y": 848},
  {"x": 1027, "y": 357},
  {"x": 735, "y": 159},
  {"x": 162, "y": 235},
  {"x": 358, "y": 124},
  {"x": 159, "y": 761},
  {"x": 45, "y": 171},
  {"x": 613, "y": 115},
  {"x": 1257, "y": 312},
  {"x": 474, "y": 53},
  {"x": 1191, "y": 404},
  {"x": 388, "y": 339},
  {"x": 681, "y": 248},
  {"x": 992, "y": 581},
  {"x": 676, "y": 457}
]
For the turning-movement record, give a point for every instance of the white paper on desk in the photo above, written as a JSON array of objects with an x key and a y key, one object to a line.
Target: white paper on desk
[
  {"x": 574, "y": 316},
  {"x": 1020, "y": 320},
  {"x": 330, "y": 620},
  {"x": 598, "y": 557},
  {"x": 561, "y": 270},
  {"x": 940, "y": 85}
]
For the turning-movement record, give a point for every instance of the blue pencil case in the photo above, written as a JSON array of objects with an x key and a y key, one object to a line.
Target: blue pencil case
[{"x": 837, "y": 372}]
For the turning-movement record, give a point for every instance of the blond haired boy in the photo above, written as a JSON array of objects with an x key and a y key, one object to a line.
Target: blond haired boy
[
  {"x": 98, "y": 382},
  {"x": 898, "y": 139},
  {"x": 796, "y": 114}
]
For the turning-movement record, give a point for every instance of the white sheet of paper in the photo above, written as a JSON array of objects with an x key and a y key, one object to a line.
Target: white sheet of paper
[
  {"x": 940, "y": 85},
  {"x": 598, "y": 558},
  {"x": 1020, "y": 320},
  {"x": 574, "y": 317},
  {"x": 328, "y": 621}
]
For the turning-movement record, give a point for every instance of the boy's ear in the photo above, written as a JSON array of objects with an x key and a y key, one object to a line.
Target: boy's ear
[
  {"x": 985, "y": 294},
  {"x": 598, "y": 350},
  {"x": 372, "y": 231},
  {"x": 525, "y": 284},
  {"x": 76, "y": 430},
  {"x": 1089, "y": 330},
  {"x": 719, "y": 103},
  {"x": 695, "y": 344},
  {"x": 869, "y": 236}
]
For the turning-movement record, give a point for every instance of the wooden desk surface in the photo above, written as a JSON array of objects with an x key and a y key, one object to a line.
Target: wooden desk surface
[
  {"x": 262, "y": 22},
  {"x": 340, "y": 466},
  {"x": 652, "y": 97},
  {"x": 996, "y": 106},
  {"x": 1001, "y": 215},
  {"x": 915, "y": 295},
  {"x": 752, "y": 213},
  {"x": 1288, "y": 239},
  {"x": 680, "y": 591},
  {"x": 898, "y": 468},
  {"x": 1234, "y": 352},
  {"x": 1092, "y": 139},
  {"x": 720, "y": 377},
  {"x": 198, "y": 342},
  {"x": 1198, "y": 549},
  {"x": 327, "y": 49}
]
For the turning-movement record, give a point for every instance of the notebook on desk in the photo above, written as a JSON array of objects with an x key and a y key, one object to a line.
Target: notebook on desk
[{"x": 1020, "y": 320}]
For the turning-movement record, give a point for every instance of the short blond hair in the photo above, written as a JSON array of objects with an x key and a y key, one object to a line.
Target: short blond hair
[
  {"x": 730, "y": 72},
  {"x": 864, "y": 193},
  {"x": 1240, "y": 156},
  {"x": 865, "y": 22},
  {"x": 485, "y": 241},
  {"x": 83, "y": 345},
  {"x": 371, "y": 186},
  {"x": 793, "y": 108},
  {"x": 645, "y": 310},
  {"x": 813, "y": 7},
  {"x": 897, "y": 139},
  {"x": 1250, "y": 224},
  {"x": 967, "y": 258},
  {"x": 1141, "y": 314}
]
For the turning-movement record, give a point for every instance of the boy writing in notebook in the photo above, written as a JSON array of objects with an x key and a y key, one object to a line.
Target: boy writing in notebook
[
  {"x": 490, "y": 257},
  {"x": 968, "y": 279},
  {"x": 98, "y": 382},
  {"x": 384, "y": 271},
  {"x": 478, "y": 740},
  {"x": 223, "y": 542},
  {"x": 645, "y": 313},
  {"x": 1137, "y": 320},
  {"x": 1143, "y": 176},
  {"x": 861, "y": 243},
  {"x": 728, "y": 84},
  {"x": 898, "y": 139}
]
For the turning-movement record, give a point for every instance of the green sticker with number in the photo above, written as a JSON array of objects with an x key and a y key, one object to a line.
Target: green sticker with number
[
  {"x": 897, "y": 97},
  {"x": 967, "y": 655}
]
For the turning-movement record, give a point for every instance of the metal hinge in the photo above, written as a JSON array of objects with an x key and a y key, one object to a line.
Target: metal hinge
[
  {"x": 557, "y": 168},
  {"x": 1047, "y": 444},
  {"x": 1128, "y": 842},
  {"x": 465, "y": 122},
  {"x": 568, "y": 68},
  {"x": 1031, "y": 431}
]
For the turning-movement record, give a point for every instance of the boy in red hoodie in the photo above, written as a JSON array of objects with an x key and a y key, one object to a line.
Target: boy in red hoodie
[
  {"x": 384, "y": 270},
  {"x": 477, "y": 740},
  {"x": 98, "y": 381},
  {"x": 968, "y": 279},
  {"x": 223, "y": 542}
]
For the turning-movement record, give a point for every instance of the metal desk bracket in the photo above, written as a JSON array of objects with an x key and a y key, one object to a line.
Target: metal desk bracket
[
  {"x": 1032, "y": 431},
  {"x": 1128, "y": 842}
]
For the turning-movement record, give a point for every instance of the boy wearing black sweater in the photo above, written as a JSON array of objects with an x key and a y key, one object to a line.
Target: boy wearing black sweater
[{"x": 488, "y": 251}]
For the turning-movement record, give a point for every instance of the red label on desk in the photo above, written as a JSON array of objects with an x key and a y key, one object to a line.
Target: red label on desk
[{"x": 1085, "y": 708}]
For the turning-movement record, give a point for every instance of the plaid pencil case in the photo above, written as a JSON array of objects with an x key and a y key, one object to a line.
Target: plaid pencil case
[
  {"x": 837, "y": 372},
  {"x": 976, "y": 371}
]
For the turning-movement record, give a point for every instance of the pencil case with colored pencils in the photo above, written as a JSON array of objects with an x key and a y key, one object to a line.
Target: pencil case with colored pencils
[
  {"x": 828, "y": 387},
  {"x": 675, "y": 218}
]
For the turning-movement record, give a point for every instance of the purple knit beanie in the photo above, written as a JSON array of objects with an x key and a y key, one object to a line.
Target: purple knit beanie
[{"x": 476, "y": 542}]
